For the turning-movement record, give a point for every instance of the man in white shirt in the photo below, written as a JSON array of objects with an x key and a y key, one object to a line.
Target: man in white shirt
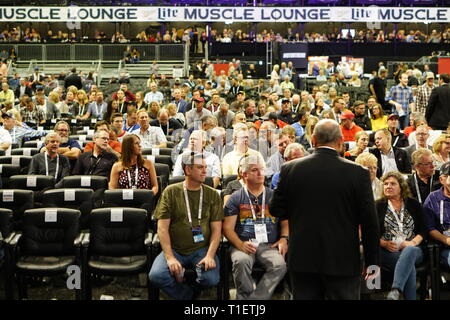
[
  {"x": 154, "y": 95},
  {"x": 197, "y": 142},
  {"x": 231, "y": 160},
  {"x": 151, "y": 137},
  {"x": 5, "y": 139}
]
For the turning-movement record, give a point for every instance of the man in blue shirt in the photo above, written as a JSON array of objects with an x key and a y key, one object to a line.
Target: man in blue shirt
[
  {"x": 255, "y": 235},
  {"x": 437, "y": 213},
  {"x": 402, "y": 100}
]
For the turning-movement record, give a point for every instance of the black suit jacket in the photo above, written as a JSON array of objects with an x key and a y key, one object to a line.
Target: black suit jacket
[
  {"x": 438, "y": 109},
  {"x": 326, "y": 198},
  {"x": 28, "y": 91},
  {"x": 73, "y": 80},
  {"x": 401, "y": 159}
]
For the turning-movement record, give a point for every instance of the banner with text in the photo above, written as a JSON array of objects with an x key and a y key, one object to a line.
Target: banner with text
[{"x": 220, "y": 14}]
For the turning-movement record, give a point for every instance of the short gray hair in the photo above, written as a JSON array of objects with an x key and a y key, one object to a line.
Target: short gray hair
[
  {"x": 327, "y": 131},
  {"x": 292, "y": 147},
  {"x": 249, "y": 160},
  {"x": 50, "y": 135}
]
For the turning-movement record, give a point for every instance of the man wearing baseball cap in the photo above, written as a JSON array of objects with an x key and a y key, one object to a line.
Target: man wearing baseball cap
[
  {"x": 399, "y": 139},
  {"x": 348, "y": 127},
  {"x": 194, "y": 115},
  {"x": 18, "y": 132},
  {"x": 424, "y": 92},
  {"x": 437, "y": 213}
]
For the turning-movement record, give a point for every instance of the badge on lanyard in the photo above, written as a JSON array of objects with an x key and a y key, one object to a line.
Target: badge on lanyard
[
  {"x": 260, "y": 226},
  {"x": 261, "y": 232},
  {"x": 197, "y": 234}
]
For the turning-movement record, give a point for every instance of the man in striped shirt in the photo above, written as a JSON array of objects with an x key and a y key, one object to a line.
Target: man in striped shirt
[
  {"x": 402, "y": 100},
  {"x": 424, "y": 92}
]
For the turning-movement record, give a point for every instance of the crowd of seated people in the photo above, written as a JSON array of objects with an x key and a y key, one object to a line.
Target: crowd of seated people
[
  {"x": 198, "y": 38},
  {"x": 226, "y": 118}
]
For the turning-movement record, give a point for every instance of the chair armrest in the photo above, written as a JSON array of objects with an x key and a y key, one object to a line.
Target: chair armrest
[
  {"x": 15, "y": 240},
  {"x": 156, "y": 240},
  {"x": 148, "y": 239},
  {"x": 78, "y": 240},
  {"x": 9, "y": 239},
  {"x": 86, "y": 240}
]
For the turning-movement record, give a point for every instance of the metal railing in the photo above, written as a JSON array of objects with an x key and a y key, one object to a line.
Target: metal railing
[{"x": 83, "y": 51}]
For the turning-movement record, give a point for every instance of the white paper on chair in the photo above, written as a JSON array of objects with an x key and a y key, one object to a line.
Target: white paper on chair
[
  {"x": 127, "y": 194},
  {"x": 51, "y": 215},
  {"x": 86, "y": 181},
  {"x": 31, "y": 181},
  {"x": 155, "y": 152},
  {"x": 8, "y": 195},
  {"x": 116, "y": 215},
  {"x": 69, "y": 195}
]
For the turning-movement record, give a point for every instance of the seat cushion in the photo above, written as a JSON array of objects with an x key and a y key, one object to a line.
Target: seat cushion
[
  {"x": 127, "y": 264},
  {"x": 44, "y": 264}
]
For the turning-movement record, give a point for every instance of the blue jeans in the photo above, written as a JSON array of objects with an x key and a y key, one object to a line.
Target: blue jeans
[
  {"x": 403, "y": 122},
  {"x": 161, "y": 277},
  {"x": 445, "y": 257},
  {"x": 403, "y": 264}
]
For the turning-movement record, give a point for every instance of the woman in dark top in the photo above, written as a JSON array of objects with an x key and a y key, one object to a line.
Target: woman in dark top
[
  {"x": 402, "y": 230},
  {"x": 132, "y": 171},
  {"x": 112, "y": 107}
]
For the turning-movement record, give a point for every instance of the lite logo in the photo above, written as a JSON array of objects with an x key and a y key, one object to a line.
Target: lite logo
[
  {"x": 374, "y": 281},
  {"x": 74, "y": 279}
]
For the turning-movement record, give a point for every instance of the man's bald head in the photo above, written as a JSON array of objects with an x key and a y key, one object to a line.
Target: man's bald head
[{"x": 327, "y": 133}]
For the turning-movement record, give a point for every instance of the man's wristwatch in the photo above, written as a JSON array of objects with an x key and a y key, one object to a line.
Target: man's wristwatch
[{"x": 285, "y": 237}]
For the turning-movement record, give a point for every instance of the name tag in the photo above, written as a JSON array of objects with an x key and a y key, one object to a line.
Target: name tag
[
  {"x": 261, "y": 232},
  {"x": 197, "y": 234}
]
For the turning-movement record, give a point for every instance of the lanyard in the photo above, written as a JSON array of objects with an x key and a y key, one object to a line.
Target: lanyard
[
  {"x": 200, "y": 205},
  {"x": 296, "y": 108},
  {"x": 135, "y": 180},
  {"x": 168, "y": 121},
  {"x": 251, "y": 205},
  {"x": 99, "y": 110},
  {"x": 396, "y": 140},
  {"x": 121, "y": 107},
  {"x": 81, "y": 111},
  {"x": 441, "y": 213},
  {"x": 417, "y": 187},
  {"x": 399, "y": 222},
  {"x": 14, "y": 134},
  {"x": 46, "y": 165}
]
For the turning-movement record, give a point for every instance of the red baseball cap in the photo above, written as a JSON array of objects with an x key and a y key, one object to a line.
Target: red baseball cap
[{"x": 347, "y": 115}]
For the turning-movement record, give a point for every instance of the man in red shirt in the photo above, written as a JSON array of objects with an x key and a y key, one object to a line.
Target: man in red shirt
[
  {"x": 114, "y": 145},
  {"x": 348, "y": 127}
]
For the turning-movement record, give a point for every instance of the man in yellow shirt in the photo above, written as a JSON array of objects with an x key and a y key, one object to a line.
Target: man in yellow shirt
[{"x": 6, "y": 95}]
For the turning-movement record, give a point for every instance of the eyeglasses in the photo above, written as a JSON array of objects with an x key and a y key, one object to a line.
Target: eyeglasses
[{"x": 428, "y": 164}]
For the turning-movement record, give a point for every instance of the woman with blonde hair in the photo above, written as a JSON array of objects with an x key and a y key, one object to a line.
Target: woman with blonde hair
[
  {"x": 132, "y": 171},
  {"x": 153, "y": 109},
  {"x": 441, "y": 150},
  {"x": 52, "y": 110},
  {"x": 305, "y": 140},
  {"x": 172, "y": 108},
  {"x": 274, "y": 75},
  {"x": 327, "y": 114},
  {"x": 370, "y": 162},
  {"x": 362, "y": 141},
  {"x": 80, "y": 107}
]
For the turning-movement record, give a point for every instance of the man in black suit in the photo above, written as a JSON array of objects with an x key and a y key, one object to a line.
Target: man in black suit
[
  {"x": 438, "y": 110},
  {"x": 389, "y": 158},
  {"x": 326, "y": 198},
  {"x": 73, "y": 80}
]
